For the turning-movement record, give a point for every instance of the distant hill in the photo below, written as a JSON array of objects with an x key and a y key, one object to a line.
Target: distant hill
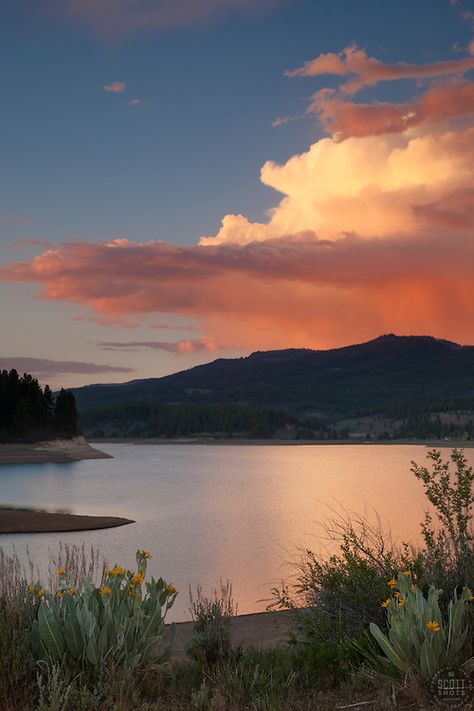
[{"x": 383, "y": 387}]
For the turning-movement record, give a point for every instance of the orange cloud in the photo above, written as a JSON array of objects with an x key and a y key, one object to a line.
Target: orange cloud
[
  {"x": 115, "y": 87},
  {"x": 367, "y": 71},
  {"x": 51, "y": 369},
  {"x": 344, "y": 119}
]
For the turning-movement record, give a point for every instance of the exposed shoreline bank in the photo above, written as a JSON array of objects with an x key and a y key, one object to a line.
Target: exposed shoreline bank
[
  {"x": 276, "y": 442},
  {"x": 30, "y": 521},
  {"x": 58, "y": 450}
]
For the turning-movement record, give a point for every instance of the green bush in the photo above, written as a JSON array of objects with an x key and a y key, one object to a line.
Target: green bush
[
  {"x": 120, "y": 622},
  {"x": 419, "y": 641}
]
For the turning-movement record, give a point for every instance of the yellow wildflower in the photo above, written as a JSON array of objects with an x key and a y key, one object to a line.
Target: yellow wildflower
[
  {"x": 116, "y": 570},
  {"x": 40, "y": 592},
  {"x": 61, "y": 570},
  {"x": 432, "y": 626},
  {"x": 30, "y": 589},
  {"x": 392, "y": 583},
  {"x": 386, "y": 602},
  {"x": 105, "y": 590},
  {"x": 407, "y": 573},
  {"x": 59, "y": 593},
  {"x": 138, "y": 578},
  {"x": 72, "y": 591},
  {"x": 401, "y": 602},
  {"x": 171, "y": 589},
  {"x": 470, "y": 598},
  {"x": 398, "y": 595},
  {"x": 146, "y": 554}
]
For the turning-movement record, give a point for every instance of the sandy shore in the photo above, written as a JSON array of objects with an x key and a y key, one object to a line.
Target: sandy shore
[
  {"x": 59, "y": 450},
  {"x": 30, "y": 521},
  {"x": 262, "y": 630}
]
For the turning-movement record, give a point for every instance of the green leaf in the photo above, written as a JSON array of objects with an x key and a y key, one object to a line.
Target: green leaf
[
  {"x": 50, "y": 634},
  {"x": 387, "y": 648}
]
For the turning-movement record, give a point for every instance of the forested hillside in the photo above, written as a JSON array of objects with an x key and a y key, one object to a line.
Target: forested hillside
[{"x": 393, "y": 386}]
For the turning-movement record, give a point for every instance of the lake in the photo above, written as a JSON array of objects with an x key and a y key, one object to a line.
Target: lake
[{"x": 220, "y": 512}]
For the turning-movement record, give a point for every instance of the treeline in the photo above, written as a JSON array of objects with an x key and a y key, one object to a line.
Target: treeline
[
  {"x": 431, "y": 426},
  {"x": 29, "y": 412},
  {"x": 188, "y": 419}
]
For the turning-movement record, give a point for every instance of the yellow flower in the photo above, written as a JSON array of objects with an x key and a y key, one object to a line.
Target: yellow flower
[
  {"x": 398, "y": 595},
  {"x": 413, "y": 587},
  {"x": 432, "y": 626},
  {"x": 105, "y": 590},
  {"x": 138, "y": 578},
  {"x": 61, "y": 570},
  {"x": 59, "y": 593},
  {"x": 407, "y": 573},
  {"x": 401, "y": 602},
  {"x": 470, "y": 598},
  {"x": 392, "y": 583},
  {"x": 116, "y": 570},
  {"x": 386, "y": 602},
  {"x": 146, "y": 554},
  {"x": 40, "y": 592},
  {"x": 131, "y": 591},
  {"x": 171, "y": 589},
  {"x": 72, "y": 591},
  {"x": 30, "y": 589}
]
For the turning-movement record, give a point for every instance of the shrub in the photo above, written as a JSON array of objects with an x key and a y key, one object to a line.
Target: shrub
[
  {"x": 211, "y": 640},
  {"x": 419, "y": 641},
  {"x": 120, "y": 622}
]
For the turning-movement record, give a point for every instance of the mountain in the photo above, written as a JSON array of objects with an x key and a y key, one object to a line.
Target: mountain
[{"x": 388, "y": 380}]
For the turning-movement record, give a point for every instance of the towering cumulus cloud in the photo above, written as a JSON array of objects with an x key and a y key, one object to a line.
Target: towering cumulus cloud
[{"x": 373, "y": 230}]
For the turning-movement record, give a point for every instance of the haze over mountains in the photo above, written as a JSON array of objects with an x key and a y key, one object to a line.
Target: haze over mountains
[{"x": 390, "y": 386}]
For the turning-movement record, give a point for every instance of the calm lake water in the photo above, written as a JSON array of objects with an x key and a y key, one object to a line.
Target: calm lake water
[{"x": 220, "y": 512}]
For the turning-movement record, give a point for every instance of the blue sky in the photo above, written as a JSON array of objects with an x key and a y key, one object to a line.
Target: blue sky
[{"x": 80, "y": 163}]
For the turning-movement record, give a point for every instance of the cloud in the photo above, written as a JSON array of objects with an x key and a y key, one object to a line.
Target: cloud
[
  {"x": 113, "y": 18},
  {"x": 33, "y": 242},
  {"x": 45, "y": 368},
  {"x": 134, "y": 102},
  {"x": 370, "y": 234},
  {"x": 107, "y": 322},
  {"x": 368, "y": 71},
  {"x": 343, "y": 119},
  {"x": 116, "y": 87},
  {"x": 197, "y": 345}
]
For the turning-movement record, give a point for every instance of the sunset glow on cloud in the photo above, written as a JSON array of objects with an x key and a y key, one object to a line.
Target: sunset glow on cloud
[{"x": 371, "y": 229}]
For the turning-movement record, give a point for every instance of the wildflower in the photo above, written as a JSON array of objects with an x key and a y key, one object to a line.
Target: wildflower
[
  {"x": 138, "y": 578},
  {"x": 72, "y": 591},
  {"x": 116, "y": 570},
  {"x": 30, "y": 589},
  {"x": 145, "y": 554},
  {"x": 386, "y": 602},
  {"x": 61, "y": 570},
  {"x": 131, "y": 590},
  {"x": 401, "y": 602},
  {"x": 105, "y": 590},
  {"x": 413, "y": 587},
  {"x": 392, "y": 583},
  {"x": 470, "y": 598},
  {"x": 40, "y": 592},
  {"x": 171, "y": 589},
  {"x": 398, "y": 595},
  {"x": 432, "y": 626},
  {"x": 59, "y": 594},
  {"x": 407, "y": 573}
]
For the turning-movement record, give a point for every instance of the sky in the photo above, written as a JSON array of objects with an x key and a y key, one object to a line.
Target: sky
[{"x": 184, "y": 180}]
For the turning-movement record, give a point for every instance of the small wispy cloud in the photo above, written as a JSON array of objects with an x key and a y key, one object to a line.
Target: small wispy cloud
[
  {"x": 108, "y": 323},
  {"x": 197, "y": 345},
  {"x": 44, "y": 367},
  {"x": 115, "y": 87},
  {"x": 135, "y": 102}
]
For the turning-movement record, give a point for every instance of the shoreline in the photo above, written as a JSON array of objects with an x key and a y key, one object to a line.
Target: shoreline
[
  {"x": 17, "y": 520},
  {"x": 226, "y": 441},
  {"x": 54, "y": 451}
]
